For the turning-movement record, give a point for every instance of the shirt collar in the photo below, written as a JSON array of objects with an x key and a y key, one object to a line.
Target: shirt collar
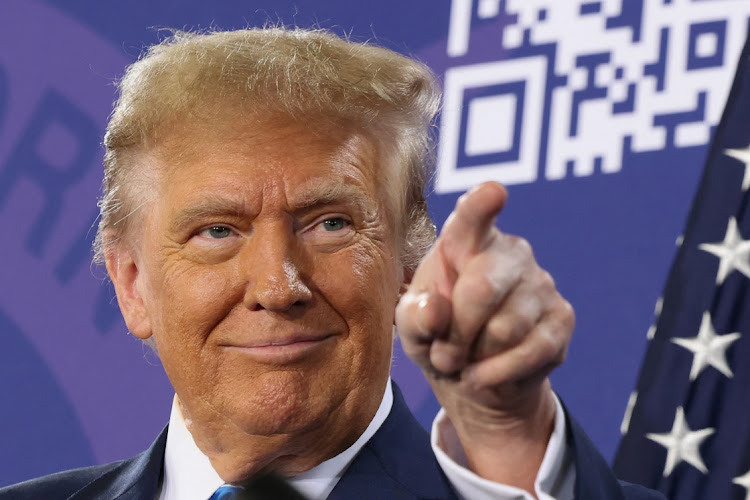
[{"x": 188, "y": 474}]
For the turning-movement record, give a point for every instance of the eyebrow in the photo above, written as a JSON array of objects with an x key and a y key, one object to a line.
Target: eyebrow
[
  {"x": 317, "y": 193},
  {"x": 209, "y": 207},
  {"x": 325, "y": 192}
]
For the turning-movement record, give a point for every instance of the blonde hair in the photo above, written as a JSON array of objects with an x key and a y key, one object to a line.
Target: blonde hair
[{"x": 300, "y": 73}]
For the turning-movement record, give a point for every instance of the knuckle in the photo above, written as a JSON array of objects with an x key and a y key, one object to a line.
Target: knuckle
[
  {"x": 484, "y": 289},
  {"x": 497, "y": 327},
  {"x": 524, "y": 325},
  {"x": 549, "y": 347},
  {"x": 521, "y": 325},
  {"x": 531, "y": 359},
  {"x": 557, "y": 354},
  {"x": 557, "y": 341},
  {"x": 522, "y": 246},
  {"x": 505, "y": 331},
  {"x": 520, "y": 249},
  {"x": 567, "y": 314},
  {"x": 546, "y": 281}
]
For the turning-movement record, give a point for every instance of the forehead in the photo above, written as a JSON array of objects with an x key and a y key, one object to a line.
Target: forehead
[
  {"x": 200, "y": 136},
  {"x": 269, "y": 151}
]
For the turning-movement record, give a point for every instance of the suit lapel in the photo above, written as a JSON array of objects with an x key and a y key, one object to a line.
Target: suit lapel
[
  {"x": 397, "y": 463},
  {"x": 135, "y": 479}
]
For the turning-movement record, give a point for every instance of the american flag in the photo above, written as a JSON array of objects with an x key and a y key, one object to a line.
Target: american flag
[{"x": 687, "y": 427}]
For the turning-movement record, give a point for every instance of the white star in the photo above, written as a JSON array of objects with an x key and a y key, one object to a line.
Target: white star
[
  {"x": 682, "y": 444},
  {"x": 744, "y": 481},
  {"x": 733, "y": 252},
  {"x": 744, "y": 156},
  {"x": 708, "y": 348}
]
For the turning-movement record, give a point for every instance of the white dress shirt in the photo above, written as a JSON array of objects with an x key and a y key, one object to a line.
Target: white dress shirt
[{"x": 188, "y": 474}]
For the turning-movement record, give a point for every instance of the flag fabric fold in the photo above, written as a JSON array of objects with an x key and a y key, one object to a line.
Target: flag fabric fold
[{"x": 687, "y": 427}]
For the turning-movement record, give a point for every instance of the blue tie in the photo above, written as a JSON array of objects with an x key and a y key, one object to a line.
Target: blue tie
[{"x": 226, "y": 493}]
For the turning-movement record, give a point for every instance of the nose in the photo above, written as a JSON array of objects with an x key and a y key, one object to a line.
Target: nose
[{"x": 272, "y": 266}]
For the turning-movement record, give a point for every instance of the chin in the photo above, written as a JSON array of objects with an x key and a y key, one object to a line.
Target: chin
[{"x": 284, "y": 404}]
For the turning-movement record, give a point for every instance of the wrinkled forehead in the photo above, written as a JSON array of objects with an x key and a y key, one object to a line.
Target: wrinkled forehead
[{"x": 350, "y": 153}]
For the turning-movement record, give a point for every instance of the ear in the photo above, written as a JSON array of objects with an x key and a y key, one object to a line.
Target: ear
[
  {"x": 124, "y": 273},
  {"x": 407, "y": 277}
]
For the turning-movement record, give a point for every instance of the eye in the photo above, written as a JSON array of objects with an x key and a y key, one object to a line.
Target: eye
[
  {"x": 216, "y": 232},
  {"x": 335, "y": 224}
]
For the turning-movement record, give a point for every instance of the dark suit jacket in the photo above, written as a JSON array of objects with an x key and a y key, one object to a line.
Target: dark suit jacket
[{"x": 396, "y": 464}]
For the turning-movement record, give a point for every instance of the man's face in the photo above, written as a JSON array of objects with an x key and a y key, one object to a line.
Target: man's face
[{"x": 267, "y": 273}]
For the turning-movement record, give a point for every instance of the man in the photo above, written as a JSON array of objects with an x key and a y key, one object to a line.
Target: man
[{"x": 263, "y": 222}]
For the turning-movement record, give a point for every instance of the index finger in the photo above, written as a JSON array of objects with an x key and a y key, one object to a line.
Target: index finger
[{"x": 468, "y": 227}]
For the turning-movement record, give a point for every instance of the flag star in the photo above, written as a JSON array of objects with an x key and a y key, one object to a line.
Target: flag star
[
  {"x": 733, "y": 252},
  {"x": 682, "y": 444},
  {"x": 744, "y": 156},
  {"x": 744, "y": 481},
  {"x": 708, "y": 348}
]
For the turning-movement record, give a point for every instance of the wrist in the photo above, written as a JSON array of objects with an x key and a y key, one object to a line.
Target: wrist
[{"x": 507, "y": 446}]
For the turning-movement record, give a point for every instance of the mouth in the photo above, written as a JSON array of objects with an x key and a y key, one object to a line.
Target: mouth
[{"x": 281, "y": 351}]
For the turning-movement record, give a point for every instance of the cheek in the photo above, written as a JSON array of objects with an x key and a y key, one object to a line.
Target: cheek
[
  {"x": 366, "y": 279},
  {"x": 193, "y": 298},
  {"x": 363, "y": 291}
]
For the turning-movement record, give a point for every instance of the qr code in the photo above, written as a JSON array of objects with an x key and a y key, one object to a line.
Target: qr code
[{"x": 547, "y": 89}]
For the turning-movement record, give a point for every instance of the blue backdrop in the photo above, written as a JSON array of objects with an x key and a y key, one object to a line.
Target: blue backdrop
[{"x": 596, "y": 114}]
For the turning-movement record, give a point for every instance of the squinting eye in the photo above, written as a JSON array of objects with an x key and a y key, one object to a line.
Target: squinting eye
[
  {"x": 217, "y": 232},
  {"x": 334, "y": 224}
]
